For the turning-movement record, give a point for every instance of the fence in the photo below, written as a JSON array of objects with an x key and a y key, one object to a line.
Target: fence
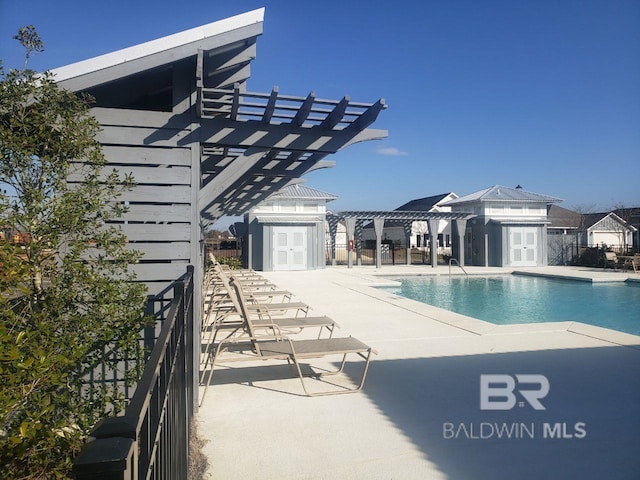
[
  {"x": 151, "y": 439},
  {"x": 566, "y": 250},
  {"x": 562, "y": 250},
  {"x": 391, "y": 254}
]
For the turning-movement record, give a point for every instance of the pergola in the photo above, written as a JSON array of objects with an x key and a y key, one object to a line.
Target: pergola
[
  {"x": 176, "y": 112},
  {"x": 254, "y": 144},
  {"x": 354, "y": 220}
]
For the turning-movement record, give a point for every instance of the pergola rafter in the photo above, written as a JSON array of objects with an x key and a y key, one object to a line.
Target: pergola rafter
[{"x": 287, "y": 136}]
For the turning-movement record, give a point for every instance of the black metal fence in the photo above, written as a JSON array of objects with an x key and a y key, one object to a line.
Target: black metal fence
[
  {"x": 391, "y": 254},
  {"x": 151, "y": 439}
]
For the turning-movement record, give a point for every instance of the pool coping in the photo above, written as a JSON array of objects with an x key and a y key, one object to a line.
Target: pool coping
[{"x": 482, "y": 327}]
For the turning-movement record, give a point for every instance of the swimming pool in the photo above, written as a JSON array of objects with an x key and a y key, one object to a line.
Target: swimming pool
[{"x": 508, "y": 299}]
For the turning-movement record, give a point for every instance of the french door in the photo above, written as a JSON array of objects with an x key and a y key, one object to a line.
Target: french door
[
  {"x": 523, "y": 246},
  {"x": 289, "y": 248}
]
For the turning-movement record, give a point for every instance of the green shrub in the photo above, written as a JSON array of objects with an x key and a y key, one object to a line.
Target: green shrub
[
  {"x": 65, "y": 294},
  {"x": 233, "y": 262}
]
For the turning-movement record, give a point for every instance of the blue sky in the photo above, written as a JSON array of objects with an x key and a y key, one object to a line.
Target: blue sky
[{"x": 545, "y": 94}]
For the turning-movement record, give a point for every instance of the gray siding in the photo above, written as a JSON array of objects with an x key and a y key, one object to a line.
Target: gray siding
[{"x": 152, "y": 147}]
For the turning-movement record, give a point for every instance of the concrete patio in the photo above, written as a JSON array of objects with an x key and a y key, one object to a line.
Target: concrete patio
[{"x": 419, "y": 414}]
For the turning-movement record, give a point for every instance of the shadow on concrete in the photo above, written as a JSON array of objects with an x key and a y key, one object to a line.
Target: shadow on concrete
[
  {"x": 261, "y": 376},
  {"x": 599, "y": 387}
]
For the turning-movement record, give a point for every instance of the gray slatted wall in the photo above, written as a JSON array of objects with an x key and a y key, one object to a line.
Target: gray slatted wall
[{"x": 153, "y": 147}]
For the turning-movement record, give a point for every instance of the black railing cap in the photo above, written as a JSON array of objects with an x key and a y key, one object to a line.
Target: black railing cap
[
  {"x": 123, "y": 426},
  {"x": 103, "y": 456}
]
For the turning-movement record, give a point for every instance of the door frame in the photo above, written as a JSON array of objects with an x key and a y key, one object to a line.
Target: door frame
[
  {"x": 290, "y": 248},
  {"x": 525, "y": 247}
]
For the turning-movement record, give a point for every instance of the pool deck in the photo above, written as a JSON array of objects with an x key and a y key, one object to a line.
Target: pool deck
[{"x": 419, "y": 416}]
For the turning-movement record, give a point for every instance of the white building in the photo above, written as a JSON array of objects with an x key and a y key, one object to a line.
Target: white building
[
  {"x": 509, "y": 227},
  {"x": 287, "y": 230}
]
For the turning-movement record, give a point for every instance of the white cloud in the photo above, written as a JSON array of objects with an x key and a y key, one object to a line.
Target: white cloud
[{"x": 392, "y": 151}]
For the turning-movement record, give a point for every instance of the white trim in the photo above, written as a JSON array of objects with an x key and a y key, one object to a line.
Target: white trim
[
  {"x": 159, "y": 45},
  {"x": 519, "y": 221},
  {"x": 291, "y": 219}
]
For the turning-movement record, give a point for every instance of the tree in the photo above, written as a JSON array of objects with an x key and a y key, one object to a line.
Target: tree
[
  {"x": 30, "y": 40},
  {"x": 625, "y": 214},
  {"x": 66, "y": 296}
]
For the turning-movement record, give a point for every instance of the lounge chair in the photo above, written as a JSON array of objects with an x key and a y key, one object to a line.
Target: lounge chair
[
  {"x": 257, "y": 298},
  {"x": 632, "y": 262},
  {"x": 610, "y": 259},
  {"x": 263, "y": 312},
  {"x": 227, "y": 316},
  {"x": 252, "y": 346}
]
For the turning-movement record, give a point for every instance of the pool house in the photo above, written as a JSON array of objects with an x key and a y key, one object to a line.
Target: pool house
[{"x": 508, "y": 227}]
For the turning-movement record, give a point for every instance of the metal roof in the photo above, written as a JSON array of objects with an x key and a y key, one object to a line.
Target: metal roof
[
  {"x": 298, "y": 191},
  {"x": 500, "y": 193}
]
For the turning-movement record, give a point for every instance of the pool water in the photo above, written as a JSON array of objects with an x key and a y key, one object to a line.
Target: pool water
[{"x": 508, "y": 299}]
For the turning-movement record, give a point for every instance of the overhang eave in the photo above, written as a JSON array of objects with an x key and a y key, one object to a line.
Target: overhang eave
[{"x": 120, "y": 64}]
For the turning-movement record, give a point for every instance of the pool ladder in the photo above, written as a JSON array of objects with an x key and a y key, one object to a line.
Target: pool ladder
[{"x": 451, "y": 260}]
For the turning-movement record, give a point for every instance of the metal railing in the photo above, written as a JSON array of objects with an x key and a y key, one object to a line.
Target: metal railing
[
  {"x": 453, "y": 260},
  {"x": 151, "y": 439}
]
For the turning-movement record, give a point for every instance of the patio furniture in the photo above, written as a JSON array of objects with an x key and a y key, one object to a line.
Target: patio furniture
[
  {"x": 610, "y": 259},
  {"x": 226, "y": 315},
  {"x": 257, "y": 298},
  {"x": 262, "y": 312},
  {"x": 631, "y": 261},
  {"x": 252, "y": 346}
]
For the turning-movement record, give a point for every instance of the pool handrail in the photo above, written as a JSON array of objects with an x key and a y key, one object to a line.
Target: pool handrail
[{"x": 451, "y": 260}]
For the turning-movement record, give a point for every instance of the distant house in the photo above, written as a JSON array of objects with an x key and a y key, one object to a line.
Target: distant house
[
  {"x": 632, "y": 217},
  {"x": 394, "y": 230},
  {"x": 509, "y": 228},
  {"x": 592, "y": 229},
  {"x": 287, "y": 230}
]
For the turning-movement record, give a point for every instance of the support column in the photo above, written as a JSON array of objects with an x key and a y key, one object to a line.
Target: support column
[
  {"x": 378, "y": 226},
  {"x": 461, "y": 228},
  {"x": 433, "y": 241},
  {"x": 249, "y": 250},
  {"x": 358, "y": 241},
  {"x": 486, "y": 249},
  {"x": 184, "y": 99},
  {"x": 407, "y": 239},
  {"x": 333, "y": 232},
  {"x": 350, "y": 224},
  {"x": 544, "y": 252}
]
